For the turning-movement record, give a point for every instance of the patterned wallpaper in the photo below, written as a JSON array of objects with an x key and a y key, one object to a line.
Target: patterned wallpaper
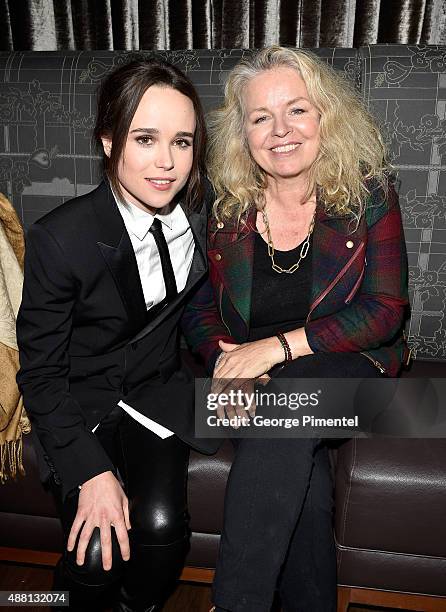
[
  {"x": 405, "y": 87},
  {"x": 47, "y": 106}
]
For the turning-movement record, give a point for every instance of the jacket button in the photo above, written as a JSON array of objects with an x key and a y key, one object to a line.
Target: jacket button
[
  {"x": 220, "y": 225},
  {"x": 349, "y": 244},
  {"x": 218, "y": 257}
]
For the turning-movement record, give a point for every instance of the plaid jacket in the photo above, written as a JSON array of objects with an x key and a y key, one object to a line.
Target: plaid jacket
[{"x": 359, "y": 286}]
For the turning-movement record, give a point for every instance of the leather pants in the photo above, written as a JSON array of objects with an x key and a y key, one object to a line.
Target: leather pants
[{"x": 154, "y": 473}]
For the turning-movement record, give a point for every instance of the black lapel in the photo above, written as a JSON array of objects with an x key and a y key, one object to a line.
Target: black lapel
[
  {"x": 198, "y": 223},
  {"x": 116, "y": 248}
]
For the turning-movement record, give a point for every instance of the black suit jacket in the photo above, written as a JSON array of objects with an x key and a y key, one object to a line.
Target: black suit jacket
[{"x": 84, "y": 339}]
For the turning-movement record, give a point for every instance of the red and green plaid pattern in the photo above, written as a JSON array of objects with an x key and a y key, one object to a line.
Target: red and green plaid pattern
[{"x": 359, "y": 291}]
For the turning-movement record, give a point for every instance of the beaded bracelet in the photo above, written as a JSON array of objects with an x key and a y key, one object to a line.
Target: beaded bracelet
[{"x": 286, "y": 347}]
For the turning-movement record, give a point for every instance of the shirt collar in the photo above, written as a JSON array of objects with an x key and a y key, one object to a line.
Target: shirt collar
[{"x": 138, "y": 221}]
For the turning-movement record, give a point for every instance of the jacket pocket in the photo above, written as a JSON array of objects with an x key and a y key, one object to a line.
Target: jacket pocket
[
  {"x": 337, "y": 278},
  {"x": 220, "y": 306},
  {"x": 75, "y": 376},
  {"x": 355, "y": 287},
  {"x": 168, "y": 366},
  {"x": 375, "y": 362}
]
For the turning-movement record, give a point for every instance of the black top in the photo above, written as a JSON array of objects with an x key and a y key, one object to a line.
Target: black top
[{"x": 279, "y": 302}]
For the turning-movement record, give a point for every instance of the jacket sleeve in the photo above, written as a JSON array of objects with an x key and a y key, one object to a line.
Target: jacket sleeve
[
  {"x": 203, "y": 327},
  {"x": 377, "y": 311},
  {"x": 43, "y": 332}
]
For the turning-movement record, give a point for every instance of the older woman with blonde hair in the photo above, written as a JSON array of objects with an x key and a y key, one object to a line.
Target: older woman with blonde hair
[{"x": 307, "y": 279}]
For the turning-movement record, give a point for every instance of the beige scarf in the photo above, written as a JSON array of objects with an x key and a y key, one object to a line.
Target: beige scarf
[{"x": 13, "y": 419}]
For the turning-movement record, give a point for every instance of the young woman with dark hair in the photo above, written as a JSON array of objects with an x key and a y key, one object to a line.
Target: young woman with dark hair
[
  {"x": 107, "y": 275},
  {"x": 119, "y": 97}
]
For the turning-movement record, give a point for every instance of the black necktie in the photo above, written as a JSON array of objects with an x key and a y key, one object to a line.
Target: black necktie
[{"x": 166, "y": 264}]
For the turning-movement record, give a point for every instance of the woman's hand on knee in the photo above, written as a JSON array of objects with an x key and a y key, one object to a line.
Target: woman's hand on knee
[
  {"x": 249, "y": 360},
  {"x": 102, "y": 503}
]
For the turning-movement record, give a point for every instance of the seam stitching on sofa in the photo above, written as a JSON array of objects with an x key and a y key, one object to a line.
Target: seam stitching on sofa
[
  {"x": 347, "y": 499},
  {"x": 387, "y": 552}
]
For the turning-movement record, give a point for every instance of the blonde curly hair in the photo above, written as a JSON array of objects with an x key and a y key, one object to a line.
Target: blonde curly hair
[{"x": 352, "y": 149}]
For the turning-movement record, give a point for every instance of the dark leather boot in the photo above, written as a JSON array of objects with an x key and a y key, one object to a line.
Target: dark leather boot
[
  {"x": 151, "y": 576},
  {"x": 83, "y": 598},
  {"x": 122, "y": 607}
]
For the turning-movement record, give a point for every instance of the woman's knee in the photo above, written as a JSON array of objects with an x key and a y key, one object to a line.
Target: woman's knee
[
  {"x": 267, "y": 453},
  {"x": 91, "y": 572},
  {"x": 158, "y": 523}
]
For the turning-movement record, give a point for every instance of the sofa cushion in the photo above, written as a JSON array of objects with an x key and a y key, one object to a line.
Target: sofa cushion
[{"x": 390, "y": 501}]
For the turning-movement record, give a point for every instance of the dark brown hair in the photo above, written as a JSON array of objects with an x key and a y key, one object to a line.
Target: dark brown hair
[{"x": 118, "y": 98}]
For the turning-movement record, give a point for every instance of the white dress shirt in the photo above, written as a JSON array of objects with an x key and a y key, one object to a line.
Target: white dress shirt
[{"x": 180, "y": 241}]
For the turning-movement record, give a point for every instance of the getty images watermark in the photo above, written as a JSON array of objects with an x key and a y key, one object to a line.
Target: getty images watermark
[
  {"x": 328, "y": 408},
  {"x": 250, "y": 402}
]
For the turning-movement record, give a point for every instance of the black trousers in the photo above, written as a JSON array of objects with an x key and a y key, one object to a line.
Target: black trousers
[
  {"x": 154, "y": 473},
  {"x": 278, "y": 530}
]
